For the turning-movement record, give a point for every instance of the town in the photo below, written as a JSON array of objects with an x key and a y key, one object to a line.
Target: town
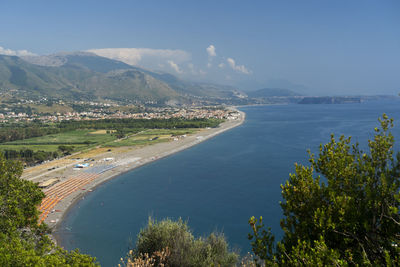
[{"x": 30, "y": 110}]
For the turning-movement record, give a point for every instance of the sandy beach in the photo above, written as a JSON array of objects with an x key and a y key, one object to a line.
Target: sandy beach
[{"x": 105, "y": 164}]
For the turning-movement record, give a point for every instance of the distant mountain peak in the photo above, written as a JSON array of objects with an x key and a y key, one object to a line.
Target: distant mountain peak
[
  {"x": 75, "y": 53},
  {"x": 62, "y": 58},
  {"x": 46, "y": 60}
]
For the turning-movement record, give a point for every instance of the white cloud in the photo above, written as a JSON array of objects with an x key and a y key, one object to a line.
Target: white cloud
[
  {"x": 174, "y": 66},
  {"x": 9, "y": 52},
  {"x": 211, "y": 51},
  {"x": 239, "y": 68},
  {"x": 178, "y": 62},
  {"x": 143, "y": 56}
]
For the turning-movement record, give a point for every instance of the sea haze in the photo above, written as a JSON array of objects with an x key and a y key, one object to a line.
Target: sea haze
[{"x": 219, "y": 184}]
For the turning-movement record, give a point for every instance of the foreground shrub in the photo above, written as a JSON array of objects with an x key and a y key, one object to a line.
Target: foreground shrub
[
  {"x": 184, "y": 249},
  {"x": 158, "y": 258}
]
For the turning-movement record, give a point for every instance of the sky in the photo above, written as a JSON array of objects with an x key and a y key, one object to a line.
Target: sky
[{"x": 316, "y": 47}]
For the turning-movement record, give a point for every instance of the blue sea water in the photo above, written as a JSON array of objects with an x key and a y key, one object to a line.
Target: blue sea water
[{"x": 219, "y": 184}]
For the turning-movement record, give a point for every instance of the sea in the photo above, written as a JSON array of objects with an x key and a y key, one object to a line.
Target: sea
[{"x": 219, "y": 184}]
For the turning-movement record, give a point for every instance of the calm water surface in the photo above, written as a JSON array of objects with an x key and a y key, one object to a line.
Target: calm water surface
[{"x": 219, "y": 184}]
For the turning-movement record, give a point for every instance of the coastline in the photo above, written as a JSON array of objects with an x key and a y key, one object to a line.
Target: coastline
[{"x": 125, "y": 161}]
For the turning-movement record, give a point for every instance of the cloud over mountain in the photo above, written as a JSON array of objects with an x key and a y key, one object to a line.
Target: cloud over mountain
[
  {"x": 215, "y": 66},
  {"x": 174, "y": 66},
  {"x": 9, "y": 52},
  {"x": 238, "y": 68},
  {"x": 143, "y": 56}
]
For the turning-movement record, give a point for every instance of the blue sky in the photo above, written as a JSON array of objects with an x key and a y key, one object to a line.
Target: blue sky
[{"x": 318, "y": 47}]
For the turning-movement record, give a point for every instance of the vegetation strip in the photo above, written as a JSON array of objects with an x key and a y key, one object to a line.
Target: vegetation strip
[{"x": 35, "y": 142}]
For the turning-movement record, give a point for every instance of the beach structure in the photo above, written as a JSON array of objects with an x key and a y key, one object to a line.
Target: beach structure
[{"x": 82, "y": 165}]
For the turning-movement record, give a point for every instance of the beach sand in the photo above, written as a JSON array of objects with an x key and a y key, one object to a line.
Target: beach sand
[{"x": 74, "y": 184}]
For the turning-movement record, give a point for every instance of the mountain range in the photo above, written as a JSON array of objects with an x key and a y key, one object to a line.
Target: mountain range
[{"x": 86, "y": 76}]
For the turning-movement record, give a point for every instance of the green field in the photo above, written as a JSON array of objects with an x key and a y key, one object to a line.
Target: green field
[
  {"x": 147, "y": 137},
  {"x": 46, "y": 148},
  {"x": 80, "y": 139},
  {"x": 85, "y": 139}
]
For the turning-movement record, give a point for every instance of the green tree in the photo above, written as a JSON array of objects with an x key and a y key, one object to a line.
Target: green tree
[
  {"x": 184, "y": 248},
  {"x": 23, "y": 242},
  {"x": 40, "y": 156},
  {"x": 30, "y": 250},
  {"x": 343, "y": 209},
  {"x": 18, "y": 198},
  {"x": 120, "y": 133},
  {"x": 66, "y": 150}
]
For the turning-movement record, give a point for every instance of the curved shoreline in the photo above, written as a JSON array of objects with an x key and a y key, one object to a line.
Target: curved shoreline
[{"x": 128, "y": 161}]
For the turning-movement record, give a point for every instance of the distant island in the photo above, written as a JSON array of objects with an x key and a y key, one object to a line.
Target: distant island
[{"x": 330, "y": 100}]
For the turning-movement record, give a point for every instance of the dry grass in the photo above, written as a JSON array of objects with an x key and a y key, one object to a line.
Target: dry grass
[
  {"x": 102, "y": 131},
  {"x": 93, "y": 152},
  {"x": 48, "y": 165},
  {"x": 159, "y": 258},
  {"x": 36, "y": 170},
  {"x": 125, "y": 149},
  {"x": 247, "y": 261}
]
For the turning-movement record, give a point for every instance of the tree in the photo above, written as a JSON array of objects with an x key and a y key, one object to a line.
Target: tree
[
  {"x": 23, "y": 242},
  {"x": 22, "y": 251},
  {"x": 184, "y": 249},
  {"x": 18, "y": 198},
  {"x": 119, "y": 133},
  {"x": 66, "y": 150},
  {"x": 348, "y": 214}
]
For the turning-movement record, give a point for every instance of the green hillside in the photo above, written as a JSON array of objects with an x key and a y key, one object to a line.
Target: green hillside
[
  {"x": 82, "y": 78},
  {"x": 85, "y": 76}
]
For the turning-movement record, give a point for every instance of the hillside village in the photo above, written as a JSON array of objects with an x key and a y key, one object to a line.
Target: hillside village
[
  {"x": 25, "y": 110},
  {"x": 195, "y": 113}
]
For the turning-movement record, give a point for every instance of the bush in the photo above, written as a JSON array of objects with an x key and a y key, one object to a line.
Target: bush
[
  {"x": 184, "y": 248},
  {"x": 66, "y": 150}
]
